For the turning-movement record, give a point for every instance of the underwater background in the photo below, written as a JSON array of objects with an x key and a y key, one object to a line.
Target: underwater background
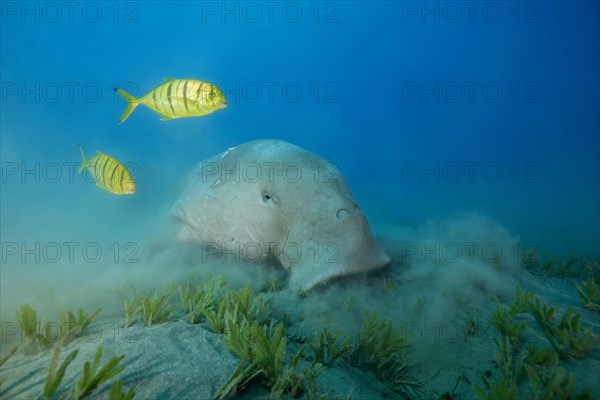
[{"x": 452, "y": 122}]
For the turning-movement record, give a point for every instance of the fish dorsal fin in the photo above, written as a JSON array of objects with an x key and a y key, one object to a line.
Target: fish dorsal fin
[{"x": 169, "y": 79}]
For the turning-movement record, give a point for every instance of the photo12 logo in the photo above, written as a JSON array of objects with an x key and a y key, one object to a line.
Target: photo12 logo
[
  {"x": 280, "y": 92},
  {"x": 453, "y": 252},
  {"x": 469, "y": 92},
  {"x": 470, "y": 12},
  {"x": 69, "y": 252},
  {"x": 65, "y": 92},
  {"x": 271, "y": 171},
  {"x": 288, "y": 253},
  {"x": 53, "y": 172},
  {"x": 270, "y": 11},
  {"x": 471, "y": 172},
  {"x": 54, "y": 12}
]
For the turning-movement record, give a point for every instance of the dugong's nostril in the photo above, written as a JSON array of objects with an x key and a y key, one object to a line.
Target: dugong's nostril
[{"x": 342, "y": 214}]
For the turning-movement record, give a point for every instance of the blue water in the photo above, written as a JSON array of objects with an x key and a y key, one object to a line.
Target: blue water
[
  {"x": 388, "y": 90},
  {"x": 430, "y": 109}
]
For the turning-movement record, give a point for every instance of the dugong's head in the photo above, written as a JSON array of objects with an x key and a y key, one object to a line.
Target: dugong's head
[{"x": 269, "y": 199}]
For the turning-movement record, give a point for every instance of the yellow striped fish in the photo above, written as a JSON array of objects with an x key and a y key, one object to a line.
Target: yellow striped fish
[
  {"x": 108, "y": 173},
  {"x": 177, "y": 98}
]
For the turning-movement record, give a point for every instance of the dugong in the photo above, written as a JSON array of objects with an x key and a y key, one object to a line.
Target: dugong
[{"x": 271, "y": 200}]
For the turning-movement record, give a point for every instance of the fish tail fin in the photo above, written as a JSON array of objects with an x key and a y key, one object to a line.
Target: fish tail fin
[
  {"x": 83, "y": 160},
  {"x": 132, "y": 103}
]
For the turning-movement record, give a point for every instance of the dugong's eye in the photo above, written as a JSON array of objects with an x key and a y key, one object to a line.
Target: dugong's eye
[{"x": 267, "y": 198}]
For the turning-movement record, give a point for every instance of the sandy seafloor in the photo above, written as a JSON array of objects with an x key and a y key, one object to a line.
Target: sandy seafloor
[{"x": 178, "y": 360}]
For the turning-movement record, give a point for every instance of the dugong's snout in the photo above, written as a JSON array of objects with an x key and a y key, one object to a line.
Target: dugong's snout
[
  {"x": 181, "y": 214},
  {"x": 344, "y": 246}
]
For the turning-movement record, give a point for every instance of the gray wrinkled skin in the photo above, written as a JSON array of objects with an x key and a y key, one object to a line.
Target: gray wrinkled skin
[{"x": 270, "y": 200}]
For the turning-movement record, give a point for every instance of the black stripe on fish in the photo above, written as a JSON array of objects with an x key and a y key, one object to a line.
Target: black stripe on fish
[
  {"x": 177, "y": 100},
  {"x": 97, "y": 169},
  {"x": 121, "y": 177},
  {"x": 103, "y": 168},
  {"x": 161, "y": 97},
  {"x": 169, "y": 97},
  {"x": 185, "y": 100},
  {"x": 119, "y": 184},
  {"x": 115, "y": 168}
]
